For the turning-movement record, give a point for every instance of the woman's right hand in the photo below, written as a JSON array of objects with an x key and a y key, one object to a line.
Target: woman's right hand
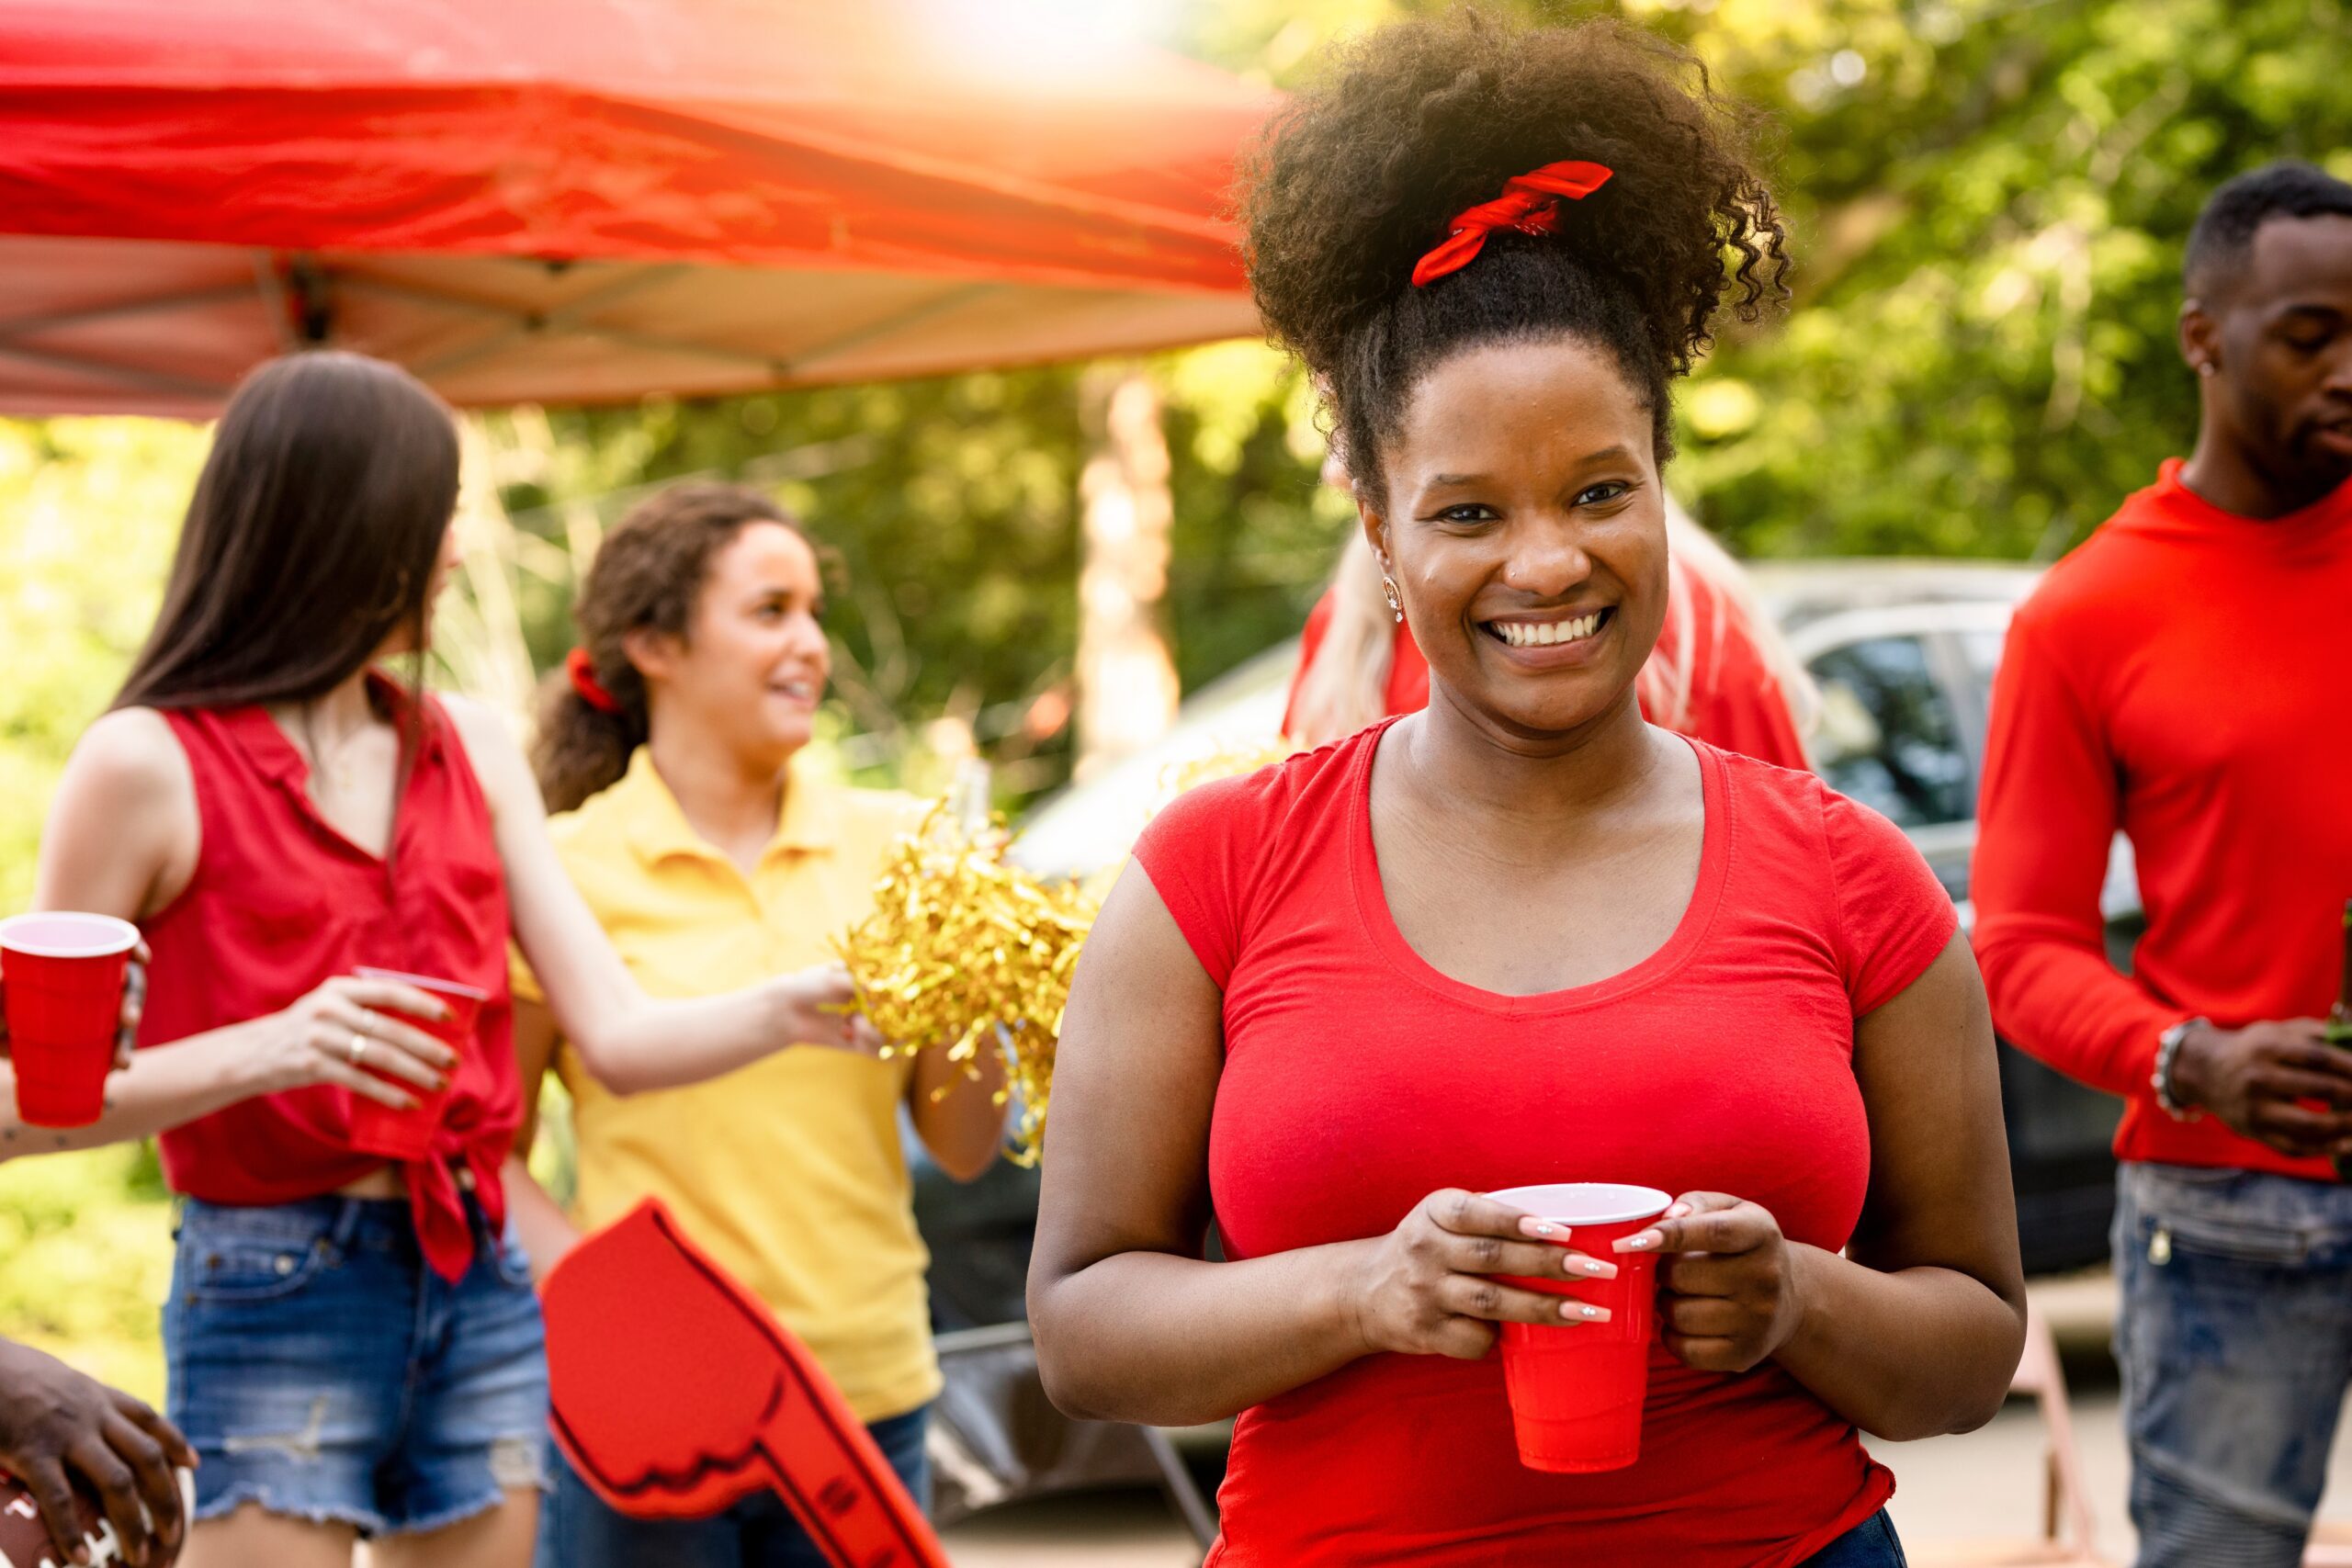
[
  {"x": 1424, "y": 1289},
  {"x": 818, "y": 1006},
  {"x": 345, "y": 1033}
]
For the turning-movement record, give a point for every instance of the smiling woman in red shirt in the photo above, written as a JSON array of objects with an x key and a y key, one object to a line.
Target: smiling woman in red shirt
[{"x": 1521, "y": 936}]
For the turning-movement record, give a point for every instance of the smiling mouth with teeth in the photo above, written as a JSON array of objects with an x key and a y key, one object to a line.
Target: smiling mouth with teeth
[{"x": 1546, "y": 634}]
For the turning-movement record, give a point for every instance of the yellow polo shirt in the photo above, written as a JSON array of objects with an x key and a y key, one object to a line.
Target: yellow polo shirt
[{"x": 789, "y": 1171}]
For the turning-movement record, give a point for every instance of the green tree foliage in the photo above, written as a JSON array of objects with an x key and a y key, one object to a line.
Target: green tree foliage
[{"x": 1989, "y": 199}]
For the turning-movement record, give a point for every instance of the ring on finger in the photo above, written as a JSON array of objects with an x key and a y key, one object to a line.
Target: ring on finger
[{"x": 358, "y": 1048}]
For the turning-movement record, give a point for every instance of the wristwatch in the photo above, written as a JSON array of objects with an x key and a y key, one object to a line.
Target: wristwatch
[{"x": 2168, "y": 1052}]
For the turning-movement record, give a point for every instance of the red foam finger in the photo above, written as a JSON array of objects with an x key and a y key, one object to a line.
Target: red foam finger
[{"x": 676, "y": 1392}]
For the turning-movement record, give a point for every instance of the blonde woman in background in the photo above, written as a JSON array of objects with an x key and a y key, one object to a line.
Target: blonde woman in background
[{"x": 1721, "y": 672}]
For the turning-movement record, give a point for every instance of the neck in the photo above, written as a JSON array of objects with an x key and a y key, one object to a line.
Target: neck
[
  {"x": 1537, "y": 788},
  {"x": 2223, "y": 473},
  {"x": 336, "y": 714},
  {"x": 730, "y": 800}
]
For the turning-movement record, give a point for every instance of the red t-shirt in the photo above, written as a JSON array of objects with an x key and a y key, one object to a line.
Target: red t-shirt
[
  {"x": 1734, "y": 701},
  {"x": 1358, "y": 1080},
  {"x": 281, "y": 901},
  {"x": 2181, "y": 677}
]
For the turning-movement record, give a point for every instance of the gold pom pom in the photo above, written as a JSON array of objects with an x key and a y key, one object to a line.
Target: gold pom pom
[{"x": 966, "y": 952}]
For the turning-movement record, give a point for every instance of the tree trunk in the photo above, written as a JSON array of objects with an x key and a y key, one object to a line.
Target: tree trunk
[{"x": 1126, "y": 680}]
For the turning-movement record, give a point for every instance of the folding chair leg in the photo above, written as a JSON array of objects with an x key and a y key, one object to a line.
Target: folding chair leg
[{"x": 1183, "y": 1495}]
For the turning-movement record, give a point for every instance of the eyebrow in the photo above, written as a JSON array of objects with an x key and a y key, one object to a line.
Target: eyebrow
[{"x": 1606, "y": 455}]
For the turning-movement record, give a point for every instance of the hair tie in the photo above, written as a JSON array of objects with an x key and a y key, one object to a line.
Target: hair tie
[
  {"x": 1530, "y": 204},
  {"x": 582, "y": 670}
]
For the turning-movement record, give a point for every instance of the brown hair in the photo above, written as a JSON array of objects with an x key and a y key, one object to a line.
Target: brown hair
[
  {"x": 648, "y": 574},
  {"x": 1363, "y": 172},
  {"x": 311, "y": 537}
]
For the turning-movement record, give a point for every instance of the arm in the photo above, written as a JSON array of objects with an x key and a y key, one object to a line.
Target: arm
[
  {"x": 541, "y": 1224},
  {"x": 2048, "y": 814},
  {"x": 1131, "y": 1324},
  {"x": 1917, "y": 1331},
  {"x": 631, "y": 1042},
  {"x": 958, "y": 1117}
]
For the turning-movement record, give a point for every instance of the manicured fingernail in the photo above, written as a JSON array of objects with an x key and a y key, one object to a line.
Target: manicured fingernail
[
  {"x": 1596, "y": 1269},
  {"x": 1583, "y": 1313},
  {"x": 1641, "y": 1243},
  {"x": 1678, "y": 1211},
  {"x": 1530, "y": 1225}
]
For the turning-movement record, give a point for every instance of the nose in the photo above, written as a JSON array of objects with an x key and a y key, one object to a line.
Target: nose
[{"x": 1545, "y": 559}]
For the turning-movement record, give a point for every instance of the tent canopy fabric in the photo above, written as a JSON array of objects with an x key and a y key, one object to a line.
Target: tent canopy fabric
[{"x": 590, "y": 200}]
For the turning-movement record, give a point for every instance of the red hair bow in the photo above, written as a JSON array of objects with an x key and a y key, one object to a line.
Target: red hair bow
[
  {"x": 1530, "y": 203},
  {"x": 582, "y": 670}
]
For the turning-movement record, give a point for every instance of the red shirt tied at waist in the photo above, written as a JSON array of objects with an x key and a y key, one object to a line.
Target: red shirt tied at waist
[
  {"x": 280, "y": 902},
  {"x": 2181, "y": 677},
  {"x": 1358, "y": 1078}
]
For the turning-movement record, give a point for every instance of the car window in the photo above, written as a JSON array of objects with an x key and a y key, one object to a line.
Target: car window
[{"x": 1888, "y": 735}]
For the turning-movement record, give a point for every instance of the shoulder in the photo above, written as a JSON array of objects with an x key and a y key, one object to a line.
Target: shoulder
[
  {"x": 487, "y": 746},
  {"x": 2101, "y": 576},
  {"x": 132, "y": 757},
  {"x": 1256, "y": 805},
  {"x": 1792, "y": 816}
]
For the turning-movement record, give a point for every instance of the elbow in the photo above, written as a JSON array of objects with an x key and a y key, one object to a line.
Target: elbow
[
  {"x": 964, "y": 1167},
  {"x": 1060, "y": 1372},
  {"x": 614, "y": 1072}
]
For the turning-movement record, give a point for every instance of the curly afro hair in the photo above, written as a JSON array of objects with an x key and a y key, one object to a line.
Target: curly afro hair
[{"x": 1362, "y": 173}]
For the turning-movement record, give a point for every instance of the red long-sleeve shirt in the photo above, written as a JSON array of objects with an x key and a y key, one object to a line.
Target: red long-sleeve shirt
[{"x": 2182, "y": 676}]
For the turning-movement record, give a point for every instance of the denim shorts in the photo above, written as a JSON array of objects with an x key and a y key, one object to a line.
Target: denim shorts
[
  {"x": 323, "y": 1372},
  {"x": 1870, "y": 1544}
]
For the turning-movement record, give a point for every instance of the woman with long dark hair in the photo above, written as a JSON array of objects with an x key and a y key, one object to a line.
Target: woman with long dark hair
[
  {"x": 672, "y": 750},
  {"x": 351, "y": 1340},
  {"x": 1521, "y": 936}
]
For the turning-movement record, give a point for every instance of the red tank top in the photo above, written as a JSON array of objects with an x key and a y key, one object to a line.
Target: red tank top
[
  {"x": 281, "y": 901},
  {"x": 1358, "y": 1077}
]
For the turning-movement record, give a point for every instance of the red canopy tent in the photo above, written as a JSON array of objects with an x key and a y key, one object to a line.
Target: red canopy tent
[{"x": 588, "y": 200}]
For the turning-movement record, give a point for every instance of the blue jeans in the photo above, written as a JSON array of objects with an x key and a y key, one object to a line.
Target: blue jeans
[
  {"x": 577, "y": 1531},
  {"x": 1870, "y": 1544},
  {"x": 324, "y": 1373},
  {"x": 2236, "y": 1341}
]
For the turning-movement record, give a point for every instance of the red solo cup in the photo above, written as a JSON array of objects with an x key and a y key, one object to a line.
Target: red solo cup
[
  {"x": 376, "y": 1128},
  {"x": 1576, "y": 1389},
  {"x": 63, "y": 974},
  {"x": 64, "y": 1006}
]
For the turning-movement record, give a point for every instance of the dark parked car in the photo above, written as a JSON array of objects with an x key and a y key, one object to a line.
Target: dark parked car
[{"x": 1903, "y": 652}]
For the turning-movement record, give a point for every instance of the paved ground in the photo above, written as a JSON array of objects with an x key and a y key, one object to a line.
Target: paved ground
[{"x": 1954, "y": 1491}]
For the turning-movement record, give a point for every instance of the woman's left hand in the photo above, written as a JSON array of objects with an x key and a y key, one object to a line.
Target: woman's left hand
[{"x": 1728, "y": 1289}]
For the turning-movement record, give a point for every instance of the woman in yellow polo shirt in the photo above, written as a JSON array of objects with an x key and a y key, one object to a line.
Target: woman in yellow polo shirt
[{"x": 712, "y": 860}]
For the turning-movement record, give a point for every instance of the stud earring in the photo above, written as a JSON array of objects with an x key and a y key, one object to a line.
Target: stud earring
[
  {"x": 2206, "y": 368},
  {"x": 1388, "y": 590}
]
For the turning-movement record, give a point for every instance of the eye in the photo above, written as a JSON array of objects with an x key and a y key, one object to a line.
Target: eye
[
  {"x": 1602, "y": 493},
  {"x": 1468, "y": 511}
]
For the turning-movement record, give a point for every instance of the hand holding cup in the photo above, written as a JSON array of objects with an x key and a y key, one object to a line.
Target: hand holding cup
[
  {"x": 1728, "y": 1288},
  {"x": 1429, "y": 1287}
]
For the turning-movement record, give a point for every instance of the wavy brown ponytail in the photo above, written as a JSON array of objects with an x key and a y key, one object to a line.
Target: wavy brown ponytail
[{"x": 648, "y": 574}]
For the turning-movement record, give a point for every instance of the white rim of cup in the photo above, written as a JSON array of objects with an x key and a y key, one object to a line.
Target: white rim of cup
[
  {"x": 119, "y": 936},
  {"x": 1635, "y": 1208},
  {"x": 422, "y": 982}
]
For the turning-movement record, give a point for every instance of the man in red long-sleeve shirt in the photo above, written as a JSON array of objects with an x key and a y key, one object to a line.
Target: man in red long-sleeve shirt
[{"x": 2186, "y": 677}]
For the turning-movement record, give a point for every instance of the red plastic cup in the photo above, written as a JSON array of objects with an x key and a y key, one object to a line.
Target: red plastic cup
[
  {"x": 1577, "y": 1391},
  {"x": 63, "y": 974},
  {"x": 376, "y": 1128}
]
